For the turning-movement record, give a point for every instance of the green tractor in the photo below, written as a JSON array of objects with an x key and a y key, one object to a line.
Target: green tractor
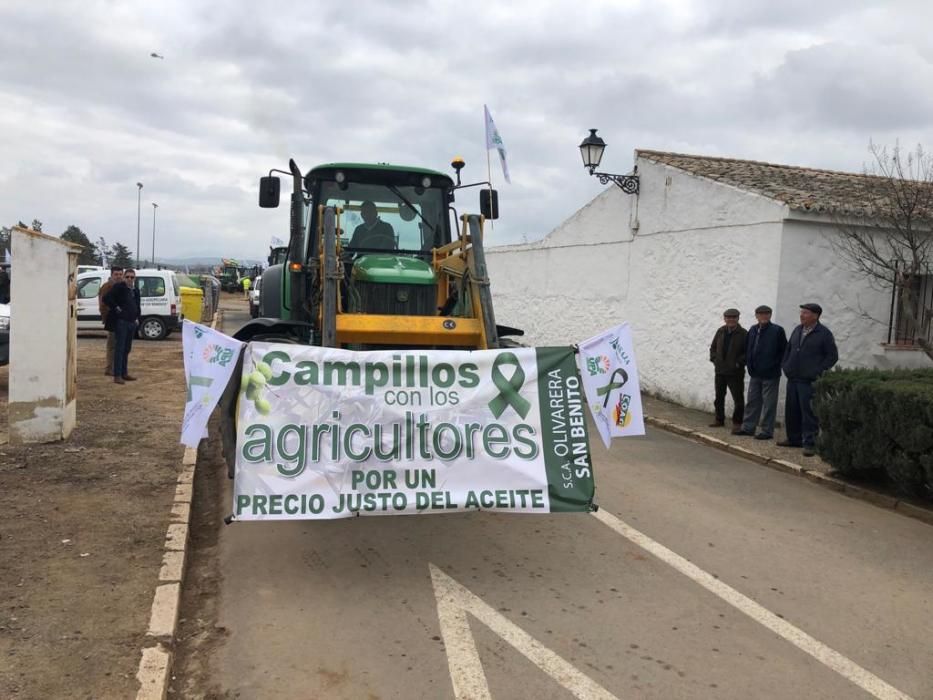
[
  {"x": 377, "y": 258},
  {"x": 229, "y": 275}
]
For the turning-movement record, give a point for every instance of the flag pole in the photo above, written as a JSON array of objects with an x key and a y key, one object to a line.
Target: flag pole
[{"x": 492, "y": 223}]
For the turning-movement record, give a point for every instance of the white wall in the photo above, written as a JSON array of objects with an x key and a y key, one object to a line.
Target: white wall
[
  {"x": 853, "y": 310},
  {"x": 42, "y": 340},
  {"x": 699, "y": 248}
]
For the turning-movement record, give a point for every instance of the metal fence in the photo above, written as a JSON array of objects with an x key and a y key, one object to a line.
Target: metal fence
[{"x": 901, "y": 329}]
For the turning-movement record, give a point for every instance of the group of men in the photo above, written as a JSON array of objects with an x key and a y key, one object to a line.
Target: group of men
[
  {"x": 118, "y": 300},
  {"x": 765, "y": 351}
]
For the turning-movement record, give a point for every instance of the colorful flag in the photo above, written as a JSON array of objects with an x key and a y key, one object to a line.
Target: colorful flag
[
  {"x": 493, "y": 140},
  {"x": 610, "y": 380},
  {"x": 210, "y": 358}
]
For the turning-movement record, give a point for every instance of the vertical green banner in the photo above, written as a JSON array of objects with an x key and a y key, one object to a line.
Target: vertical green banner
[{"x": 566, "y": 447}]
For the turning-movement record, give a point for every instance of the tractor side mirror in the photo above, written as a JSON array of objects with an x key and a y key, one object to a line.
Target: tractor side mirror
[
  {"x": 489, "y": 203},
  {"x": 269, "y": 189}
]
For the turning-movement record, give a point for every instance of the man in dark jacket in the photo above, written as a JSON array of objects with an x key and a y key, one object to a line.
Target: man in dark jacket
[
  {"x": 373, "y": 232},
  {"x": 810, "y": 351},
  {"x": 727, "y": 353},
  {"x": 123, "y": 301},
  {"x": 116, "y": 275},
  {"x": 764, "y": 351}
]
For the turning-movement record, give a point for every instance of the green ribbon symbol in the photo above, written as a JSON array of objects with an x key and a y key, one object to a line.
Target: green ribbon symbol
[
  {"x": 508, "y": 388},
  {"x": 612, "y": 385}
]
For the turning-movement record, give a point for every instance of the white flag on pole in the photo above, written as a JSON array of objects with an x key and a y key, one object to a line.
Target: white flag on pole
[
  {"x": 610, "y": 380},
  {"x": 493, "y": 140},
  {"x": 210, "y": 358}
]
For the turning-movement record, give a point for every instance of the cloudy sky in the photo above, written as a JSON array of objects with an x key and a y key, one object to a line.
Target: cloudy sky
[{"x": 86, "y": 112}]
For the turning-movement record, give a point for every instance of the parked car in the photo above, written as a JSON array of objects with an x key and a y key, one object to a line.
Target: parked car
[
  {"x": 254, "y": 292},
  {"x": 4, "y": 334},
  {"x": 160, "y": 300}
]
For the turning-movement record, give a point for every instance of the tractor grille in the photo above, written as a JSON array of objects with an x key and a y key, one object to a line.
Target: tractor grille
[{"x": 395, "y": 299}]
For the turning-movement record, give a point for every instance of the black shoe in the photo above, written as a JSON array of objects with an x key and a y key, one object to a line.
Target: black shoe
[
  {"x": 788, "y": 443},
  {"x": 717, "y": 424},
  {"x": 742, "y": 431},
  {"x": 809, "y": 451},
  {"x": 763, "y": 436}
]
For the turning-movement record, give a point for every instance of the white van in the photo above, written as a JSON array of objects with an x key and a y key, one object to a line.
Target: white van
[{"x": 158, "y": 295}]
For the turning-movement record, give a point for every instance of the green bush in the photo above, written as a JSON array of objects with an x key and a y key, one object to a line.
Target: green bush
[{"x": 876, "y": 424}]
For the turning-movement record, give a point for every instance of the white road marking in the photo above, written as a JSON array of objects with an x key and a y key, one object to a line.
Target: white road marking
[
  {"x": 454, "y": 601},
  {"x": 842, "y": 665}
]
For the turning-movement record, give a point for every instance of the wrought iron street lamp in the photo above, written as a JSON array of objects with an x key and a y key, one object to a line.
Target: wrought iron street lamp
[{"x": 592, "y": 151}]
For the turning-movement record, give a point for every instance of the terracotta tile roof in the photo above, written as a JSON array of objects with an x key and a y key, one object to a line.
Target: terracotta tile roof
[{"x": 806, "y": 189}]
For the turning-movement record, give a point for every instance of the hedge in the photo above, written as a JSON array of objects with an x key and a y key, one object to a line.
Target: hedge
[{"x": 877, "y": 424}]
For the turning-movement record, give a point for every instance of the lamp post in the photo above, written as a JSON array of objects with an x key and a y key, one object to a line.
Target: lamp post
[
  {"x": 154, "y": 207},
  {"x": 139, "y": 200},
  {"x": 592, "y": 151}
]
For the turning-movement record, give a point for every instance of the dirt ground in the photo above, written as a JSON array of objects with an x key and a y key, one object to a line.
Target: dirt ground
[{"x": 82, "y": 525}]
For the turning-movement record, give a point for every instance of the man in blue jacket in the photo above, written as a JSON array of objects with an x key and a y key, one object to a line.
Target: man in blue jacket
[
  {"x": 810, "y": 351},
  {"x": 123, "y": 299},
  {"x": 764, "y": 352}
]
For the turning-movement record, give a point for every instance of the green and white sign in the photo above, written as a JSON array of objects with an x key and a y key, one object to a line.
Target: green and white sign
[{"x": 329, "y": 433}]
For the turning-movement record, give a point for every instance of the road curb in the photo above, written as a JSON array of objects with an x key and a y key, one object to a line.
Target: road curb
[
  {"x": 155, "y": 666},
  {"x": 863, "y": 494}
]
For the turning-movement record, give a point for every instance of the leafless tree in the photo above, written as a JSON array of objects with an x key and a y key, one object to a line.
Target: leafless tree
[{"x": 890, "y": 241}]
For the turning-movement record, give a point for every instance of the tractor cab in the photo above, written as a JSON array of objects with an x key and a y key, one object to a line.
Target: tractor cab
[{"x": 376, "y": 259}]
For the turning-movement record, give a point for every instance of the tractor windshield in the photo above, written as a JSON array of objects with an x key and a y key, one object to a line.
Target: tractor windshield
[{"x": 403, "y": 219}]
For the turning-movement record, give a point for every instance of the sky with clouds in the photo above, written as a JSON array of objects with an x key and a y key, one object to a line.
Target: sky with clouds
[{"x": 243, "y": 86}]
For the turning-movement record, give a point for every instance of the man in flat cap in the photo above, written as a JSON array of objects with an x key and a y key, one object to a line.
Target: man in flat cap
[
  {"x": 727, "y": 353},
  {"x": 810, "y": 351},
  {"x": 764, "y": 351}
]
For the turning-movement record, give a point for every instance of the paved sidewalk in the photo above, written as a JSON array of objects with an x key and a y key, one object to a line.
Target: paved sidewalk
[
  {"x": 695, "y": 424},
  {"x": 700, "y": 420}
]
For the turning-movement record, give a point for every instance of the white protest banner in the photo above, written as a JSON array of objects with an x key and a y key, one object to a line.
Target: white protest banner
[
  {"x": 210, "y": 358},
  {"x": 610, "y": 377},
  {"x": 331, "y": 433}
]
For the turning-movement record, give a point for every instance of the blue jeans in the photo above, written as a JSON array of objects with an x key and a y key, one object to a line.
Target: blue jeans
[
  {"x": 799, "y": 418},
  {"x": 124, "y": 330},
  {"x": 761, "y": 404}
]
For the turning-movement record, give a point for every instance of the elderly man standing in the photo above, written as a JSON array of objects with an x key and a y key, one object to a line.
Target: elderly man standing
[
  {"x": 810, "y": 351},
  {"x": 764, "y": 352},
  {"x": 727, "y": 353}
]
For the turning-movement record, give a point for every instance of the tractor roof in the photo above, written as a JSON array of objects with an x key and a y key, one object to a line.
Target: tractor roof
[{"x": 327, "y": 168}]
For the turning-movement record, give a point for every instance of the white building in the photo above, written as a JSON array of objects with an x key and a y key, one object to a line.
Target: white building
[{"x": 703, "y": 234}]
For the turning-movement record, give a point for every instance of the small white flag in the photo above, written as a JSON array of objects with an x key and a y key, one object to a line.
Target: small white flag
[
  {"x": 610, "y": 380},
  {"x": 493, "y": 140},
  {"x": 210, "y": 358}
]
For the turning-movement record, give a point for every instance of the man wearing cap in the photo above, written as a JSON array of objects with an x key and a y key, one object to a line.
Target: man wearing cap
[
  {"x": 810, "y": 351},
  {"x": 764, "y": 352},
  {"x": 727, "y": 353}
]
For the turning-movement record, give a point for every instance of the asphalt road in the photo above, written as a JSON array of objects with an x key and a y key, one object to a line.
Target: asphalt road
[{"x": 703, "y": 575}]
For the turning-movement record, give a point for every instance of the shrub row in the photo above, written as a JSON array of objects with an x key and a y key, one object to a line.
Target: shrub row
[{"x": 878, "y": 424}]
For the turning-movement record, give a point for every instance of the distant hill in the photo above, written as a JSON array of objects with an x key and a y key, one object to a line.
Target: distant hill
[{"x": 199, "y": 261}]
